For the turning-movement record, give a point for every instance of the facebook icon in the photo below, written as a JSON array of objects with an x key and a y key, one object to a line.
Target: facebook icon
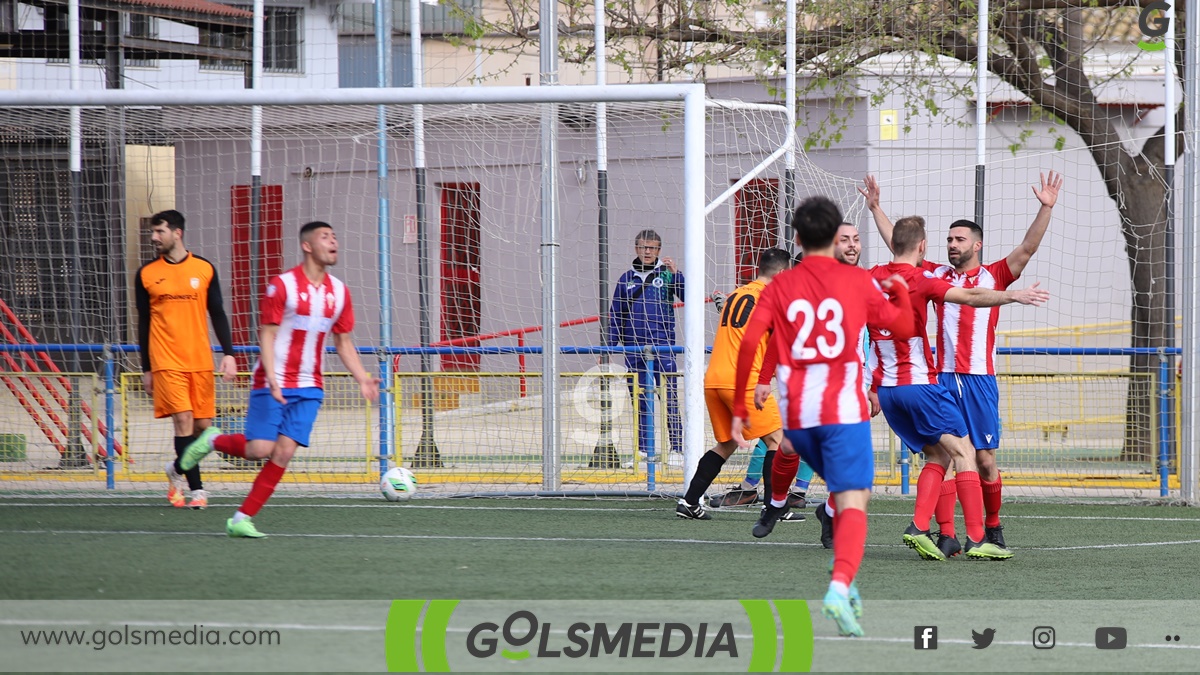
[{"x": 925, "y": 637}]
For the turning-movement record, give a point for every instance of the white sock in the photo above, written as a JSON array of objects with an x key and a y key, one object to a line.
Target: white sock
[
  {"x": 239, "y": 517},
  {"x": 828, "y": 511},
  {"x": 778, "y": 502},
  {"x": 841, "y": 589}
]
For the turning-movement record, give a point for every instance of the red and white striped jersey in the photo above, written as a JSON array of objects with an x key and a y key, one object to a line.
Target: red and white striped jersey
[
  {"x": 305, "y": 314},
  {"x": 903, "y": 362},
  {"x": 816, "y": 312},
  {"x": 969, "y": 333}
]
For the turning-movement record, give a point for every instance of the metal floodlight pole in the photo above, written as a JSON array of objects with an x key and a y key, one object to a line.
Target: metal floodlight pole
[
  {"x": 1189, "y": 450},
  {"x": 1170, "y": 105},
  {"x": 383, "y": 79},
  {"x": 427, "y": 455},
  {"x": 548, "y": 65},
  {"x": 256, "y": 141},
  {"x": 74, "y": 456},
  {"x": 604, "y": 455},
  {"x": 789, "y": 171},
  {"x": 981, "y": 74}
]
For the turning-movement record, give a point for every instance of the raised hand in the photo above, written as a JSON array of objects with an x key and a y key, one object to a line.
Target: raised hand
[
  {"x": 1047, "y": 194},
  {"x": 871, "y": 193}
]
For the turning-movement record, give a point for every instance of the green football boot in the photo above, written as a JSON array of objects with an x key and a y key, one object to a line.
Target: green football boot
[
  {"x": 198, "y": 449},
  {"x": 838, "y": 608},
  {"x": 243, "y": 529},
  {"x": 920, "y": 541},
  {"x": 986, "y": 551}
]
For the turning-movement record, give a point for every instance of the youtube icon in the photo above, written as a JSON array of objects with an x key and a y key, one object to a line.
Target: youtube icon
[{"x": 1111, "y": 638}]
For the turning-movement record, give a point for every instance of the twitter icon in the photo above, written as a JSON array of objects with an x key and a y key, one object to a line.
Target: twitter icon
[{"x": 984, "y": 639}]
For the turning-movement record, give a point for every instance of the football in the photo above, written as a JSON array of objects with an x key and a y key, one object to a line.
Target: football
[{"x": 398, "y": 484}]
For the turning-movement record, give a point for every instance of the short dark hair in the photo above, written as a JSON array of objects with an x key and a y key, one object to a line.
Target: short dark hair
[
  {"x": 309, "y": 228},
  {"x": 171, "y": 218},
  {"x": 908, "y": 233},
  {"x": 647, "y": 235},
  {"x": 773, "y": 261},
  {"x": 970, "y": 225},
  {"x": 816, "y": 221}
]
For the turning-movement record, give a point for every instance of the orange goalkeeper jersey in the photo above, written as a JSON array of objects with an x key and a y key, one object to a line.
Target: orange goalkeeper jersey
[
  {"x": 735, "y": 316},
  {"x": 172, "y": 301}
]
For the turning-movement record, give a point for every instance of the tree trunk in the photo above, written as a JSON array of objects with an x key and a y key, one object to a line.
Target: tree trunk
[{"x": 1143, "y": 222}]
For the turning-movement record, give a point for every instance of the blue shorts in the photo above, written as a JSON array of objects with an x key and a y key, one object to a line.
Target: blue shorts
[
  {"x": 978, "y": 399},
  {"x": 921, "y": 414},
  {"x": 840, "y": 453},
  {"x": 267, "y": 419}
]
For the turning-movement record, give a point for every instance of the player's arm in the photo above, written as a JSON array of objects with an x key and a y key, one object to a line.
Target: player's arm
[
  {"x": 892, "y": 309},
  {"x": 220, "y": 323},
  {"x": 368, "y": 385},
  {"x": 983, "y": 297},
  {"x": 677, "y": 284},
  {"x": 1047, "y": 195},
  {"x": 142, "y": 300},
  {"x": 765, "y": 373},
  {"x": 266, "y": 354},
  {"x": 871, "y": 193}
]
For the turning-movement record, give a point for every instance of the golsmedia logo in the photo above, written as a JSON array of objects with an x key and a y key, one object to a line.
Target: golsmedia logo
[
  {"x": 1154, "y": 24},
  {"x": 642, "y": 640},
  {"x": 473, "y": 635}
]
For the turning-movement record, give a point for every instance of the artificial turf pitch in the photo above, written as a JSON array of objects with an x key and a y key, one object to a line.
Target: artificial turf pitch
[{"x": 366, "y": 549}]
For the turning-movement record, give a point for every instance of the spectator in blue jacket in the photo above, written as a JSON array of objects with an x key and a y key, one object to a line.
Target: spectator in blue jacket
[{"x": 642, "y": 314}]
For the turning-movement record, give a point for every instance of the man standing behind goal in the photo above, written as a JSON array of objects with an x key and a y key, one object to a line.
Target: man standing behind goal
[
  {"x": 300, "y": 307},
  {"x": 173, "y": 293},
  {"x": 966, "y": 338}
]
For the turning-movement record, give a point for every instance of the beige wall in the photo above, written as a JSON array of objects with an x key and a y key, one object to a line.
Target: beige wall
[{"x": 149, "y": 188}]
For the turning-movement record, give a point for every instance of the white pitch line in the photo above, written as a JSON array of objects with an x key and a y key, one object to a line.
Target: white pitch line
[
  {"x": 648, "y": 509},
  {"x": 607, "y": 540}
]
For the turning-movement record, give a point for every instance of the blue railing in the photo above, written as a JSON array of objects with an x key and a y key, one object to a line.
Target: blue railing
[{"x": 108, "y": 355}]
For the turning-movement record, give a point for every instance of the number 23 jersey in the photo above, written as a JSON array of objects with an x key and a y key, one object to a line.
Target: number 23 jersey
[{"x": 816, "y": 312}]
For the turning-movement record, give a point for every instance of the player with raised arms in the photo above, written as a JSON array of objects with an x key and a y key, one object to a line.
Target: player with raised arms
[
  {"x": 922, "y": 413},
  {"x": 299, "y": 309},
  {"x": 967, "y": 340},
  {"x": 815, "y": 313}
]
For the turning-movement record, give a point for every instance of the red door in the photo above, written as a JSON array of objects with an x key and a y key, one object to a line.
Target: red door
[
  {"x": 462, "y": 292},
  {"x": 270, "y": 254},
  {"x": 755, "y": 224}
]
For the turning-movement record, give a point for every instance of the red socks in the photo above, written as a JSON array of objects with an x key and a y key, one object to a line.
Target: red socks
[
  {"x": 944, "y": 512},
  {"x": 783, "y": 472},
  {"x": 230, "y": 444},
  {"x": 928, "y": 490},
  {"x": 971, "y": 497},
  {"x": 849, "y": 541},
  {"x": 991, "y": 502},
  {"x": 263, "y": 487}
]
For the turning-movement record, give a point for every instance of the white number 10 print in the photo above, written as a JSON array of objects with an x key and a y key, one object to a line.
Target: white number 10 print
[{"x": 829, "y": 311}]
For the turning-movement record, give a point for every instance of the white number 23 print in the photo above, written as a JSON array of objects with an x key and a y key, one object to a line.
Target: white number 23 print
[{"x": 830, "y": 312}]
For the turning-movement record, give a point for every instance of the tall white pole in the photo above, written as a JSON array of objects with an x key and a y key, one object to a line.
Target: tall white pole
[
  {"x": 789, "y": 171},
  {"x": 427, "y": 455},
  {"x": 1170, "y": 105},
  {"x": 256, "y": 141},
  {"x": 1189, "y": 446},
  {"x": 604, "y": 455},
  {"x": 383, "y": 78},
  {"x": 981, "y": 109},
  {"x": 548, "y": 65}
]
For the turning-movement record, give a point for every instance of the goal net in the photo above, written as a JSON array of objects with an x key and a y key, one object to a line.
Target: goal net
[{"x": 466, "y": 410}]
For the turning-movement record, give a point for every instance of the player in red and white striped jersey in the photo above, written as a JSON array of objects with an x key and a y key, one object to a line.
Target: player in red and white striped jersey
[
  {"x": 815, "y": 313},
  {"x": 304, "y": 314},
  {"x": 970, "y": 336},
  {"x": 922, "y": 413},
  {"x": 300, "y": 307}
]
